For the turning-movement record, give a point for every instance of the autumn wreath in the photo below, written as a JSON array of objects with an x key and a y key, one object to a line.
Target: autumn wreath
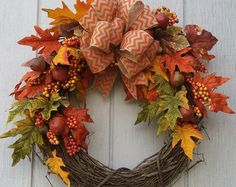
[{"x": 159, "y": 64}]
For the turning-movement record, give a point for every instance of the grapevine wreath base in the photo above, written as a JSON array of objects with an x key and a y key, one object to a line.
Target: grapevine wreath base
[
  {"x": 158, "y": 170},
  {"x": 159, "y": 64}
]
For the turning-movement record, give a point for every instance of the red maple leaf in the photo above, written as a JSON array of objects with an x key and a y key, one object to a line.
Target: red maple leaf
[
  {"x": 46, "y": 41},
  {"x": 206, "y": 85},
  {"x": 181, "y": 60},
  {"x": 29, "y": 90},
  {"x": 80, "y": 134},
  {"x": 81, "y": 115},
  {"x": 201, "y": 41}
]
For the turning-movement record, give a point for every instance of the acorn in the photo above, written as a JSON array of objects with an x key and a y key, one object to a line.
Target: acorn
[
  {"x": 178, "y": 79},
  {"x": 38, "y": 64},
  {"x": 60, "y": 73},
  {"x": 57, "y": 125},
  {"x": 187, "y": 114},
  {"x": 162, "y": 20}
]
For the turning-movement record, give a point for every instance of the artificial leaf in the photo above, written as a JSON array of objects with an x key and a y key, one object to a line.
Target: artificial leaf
[
  {"x": 178, "y": 41},
  {"x": 65, "y": 15},
  {"x": 172, "y": 39},
  {"x": 185, "y": 134},
  {"x": 46, "y": 41},
  {"x": 170, "y": 104},
  {"x": 55, "y": 165},
  {"x": 30, "y": 136},
  {"x": 32, "y": 75},
  {"x": 33, "y": 105},
  {"x": 201, "y": 41},
  {"x": 63, "y": 54},
  {"x": 60, "y": 15},
  {"x": 218, "y": 101},
  {"x": 181, "y": 60},
  {"x": 163, "y": 86},
  {"x": 46, "y": 106},
  {"x": 82, "y": 8},
  {"x": 81, "y": 115},
  {"x": 163, "y": 125},
  {"x": 149, "y": 112},
  {"x": 159, "y": 69},
  {"x": 80, "y": 135},
  {"x": 29, "y": 90}
]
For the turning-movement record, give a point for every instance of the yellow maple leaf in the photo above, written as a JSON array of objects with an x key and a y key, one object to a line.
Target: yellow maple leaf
[
  {"x": 185, "y": 134},
  {"x": 60, "y": 15},
  {"x": 65, "y": 15},
  {"x": 55, "y": 163},
  {"x": 159, "y": 69},
  {"x": 63, "y": 54}
]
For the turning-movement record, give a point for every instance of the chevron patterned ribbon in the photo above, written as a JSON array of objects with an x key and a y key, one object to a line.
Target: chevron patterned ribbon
[{"x": 114, "y": 33}]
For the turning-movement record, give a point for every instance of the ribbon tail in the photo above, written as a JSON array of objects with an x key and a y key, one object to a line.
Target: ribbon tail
[
  {"x": 133, "y": 84},
  {"x": 105, "y": 80}
]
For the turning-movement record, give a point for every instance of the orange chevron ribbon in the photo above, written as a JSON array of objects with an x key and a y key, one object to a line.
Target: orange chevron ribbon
[{"x": 114, "y": 33}]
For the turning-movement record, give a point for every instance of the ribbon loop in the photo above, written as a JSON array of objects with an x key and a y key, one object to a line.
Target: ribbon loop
[
  {"x": 118, "y": 26},
  {"x": 135, "y": 43},
  {"x": 101, "y": 36}
]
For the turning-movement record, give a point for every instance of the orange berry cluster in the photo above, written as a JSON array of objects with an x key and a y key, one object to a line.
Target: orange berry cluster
[
  {"x": 72, "y": 122},
  {"x": 37, "y": 81},
  {"x": 75, "y": 68},
  {"x": 173, "y": 19},
  {"x": 201, "y": 68},
  {"x": 71, "y": 146},
  {"x": 171, "y": 15},
  {"x": 201, "y": 93},
  {"x": 39, "y": 121},
  {"x": 197, "y": 112},
  {"x": 52, "y": 138},
  {"x": 53, "y": 87},
  {"x": 74, "y": 41}
]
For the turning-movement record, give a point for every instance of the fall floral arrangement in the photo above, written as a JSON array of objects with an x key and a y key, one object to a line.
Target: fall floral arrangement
[{"x": 159, "y": 64}]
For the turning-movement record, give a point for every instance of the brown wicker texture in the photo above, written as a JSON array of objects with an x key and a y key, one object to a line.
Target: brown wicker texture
[{"x": 158, "y": 170}]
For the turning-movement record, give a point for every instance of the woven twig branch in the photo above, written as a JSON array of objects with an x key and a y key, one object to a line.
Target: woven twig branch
[{"x": 158, "y": 170}]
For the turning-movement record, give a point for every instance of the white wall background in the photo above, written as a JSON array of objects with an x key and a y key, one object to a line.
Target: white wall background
[{"x": 116, "y": 142}]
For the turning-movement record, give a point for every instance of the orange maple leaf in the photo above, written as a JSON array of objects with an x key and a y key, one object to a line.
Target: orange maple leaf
[
  {"x": 185, "y": 134},
  {"x": 46, "y": 41},
  {"x": 181, "y": 60},
  {"x": 217, "y": 102},
  {"x": 29, "y": 90},
  {"x": 65, "y": 15},
  {"x": 81, "y": 8}
]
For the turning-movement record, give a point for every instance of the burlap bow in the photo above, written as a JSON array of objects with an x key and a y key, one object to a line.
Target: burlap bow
[{"x": 115, "y": 34}]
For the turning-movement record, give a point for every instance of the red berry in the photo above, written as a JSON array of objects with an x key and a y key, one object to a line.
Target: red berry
[
  {"x": 60, "y": 73},
  {"x": 162, "y": 20},
  {"x": 57, "y": 125}
]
